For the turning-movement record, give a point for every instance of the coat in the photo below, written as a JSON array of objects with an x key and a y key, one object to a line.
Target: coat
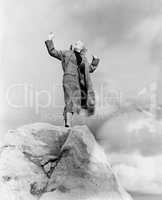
[{"x": 77, "y": 85}]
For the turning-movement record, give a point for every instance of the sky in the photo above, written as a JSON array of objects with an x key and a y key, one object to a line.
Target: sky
[{"x": 125, "y": 34}]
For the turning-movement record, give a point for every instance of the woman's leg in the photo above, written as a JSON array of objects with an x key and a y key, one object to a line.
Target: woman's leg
[
  {"x": 72, "y": 97},
  {"x": 68, "y": 117}
]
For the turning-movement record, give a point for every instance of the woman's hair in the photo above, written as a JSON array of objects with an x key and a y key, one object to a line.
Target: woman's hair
[{"x": 84, "y": 51}]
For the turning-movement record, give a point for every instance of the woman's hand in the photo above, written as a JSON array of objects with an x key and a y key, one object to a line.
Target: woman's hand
[
  {"x": 51, "y": 36},
  {"x": 94, "y": 57}
]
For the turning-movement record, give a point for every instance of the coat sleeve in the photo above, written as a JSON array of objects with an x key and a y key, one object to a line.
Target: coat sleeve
[
  {"x": 52, "y": 51},
  {"x": 94, "y": 64}
]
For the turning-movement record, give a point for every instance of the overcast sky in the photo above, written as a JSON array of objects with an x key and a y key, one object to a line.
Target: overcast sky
[{"x": 125, "y": 34}]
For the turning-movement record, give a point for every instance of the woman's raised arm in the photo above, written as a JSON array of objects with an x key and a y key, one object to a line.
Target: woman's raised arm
[{"x": 51, "y": 48}]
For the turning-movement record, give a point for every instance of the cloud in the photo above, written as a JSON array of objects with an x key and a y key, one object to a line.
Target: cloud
[
  {"x": 132, "y": 141},
  {"x": 138, "y": 173},
  {"x": 137, "y": 132},
  {"x": 110, "y": 20}
]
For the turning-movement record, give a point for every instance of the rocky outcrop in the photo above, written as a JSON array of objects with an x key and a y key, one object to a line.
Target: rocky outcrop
[{"x": 42, "y": 161}]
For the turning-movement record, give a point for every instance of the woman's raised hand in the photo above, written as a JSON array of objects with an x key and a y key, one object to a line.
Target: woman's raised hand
[{"x": 51, "y": 36}]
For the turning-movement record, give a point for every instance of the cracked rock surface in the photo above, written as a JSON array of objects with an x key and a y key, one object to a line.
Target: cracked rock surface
[{"x": 46, "y": 162}]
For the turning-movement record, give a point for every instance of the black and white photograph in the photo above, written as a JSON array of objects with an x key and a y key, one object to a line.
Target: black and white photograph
[{"x": 81, "y": 100}]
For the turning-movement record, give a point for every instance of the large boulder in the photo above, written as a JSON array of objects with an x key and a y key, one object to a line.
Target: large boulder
[{"x": 42, "y": 161}]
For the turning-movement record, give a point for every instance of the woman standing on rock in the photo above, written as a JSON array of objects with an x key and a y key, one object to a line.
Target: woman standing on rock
[{"x": 77, "y": 85}]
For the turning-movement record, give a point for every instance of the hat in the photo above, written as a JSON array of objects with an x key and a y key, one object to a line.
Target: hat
[{"x": 78, "y": 46}]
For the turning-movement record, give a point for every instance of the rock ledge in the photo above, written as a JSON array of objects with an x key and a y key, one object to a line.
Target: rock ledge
[{"x": 42, "y": 161}]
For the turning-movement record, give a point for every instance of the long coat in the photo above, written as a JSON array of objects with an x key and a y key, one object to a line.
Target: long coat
[{"x": 77, "y": 85}]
